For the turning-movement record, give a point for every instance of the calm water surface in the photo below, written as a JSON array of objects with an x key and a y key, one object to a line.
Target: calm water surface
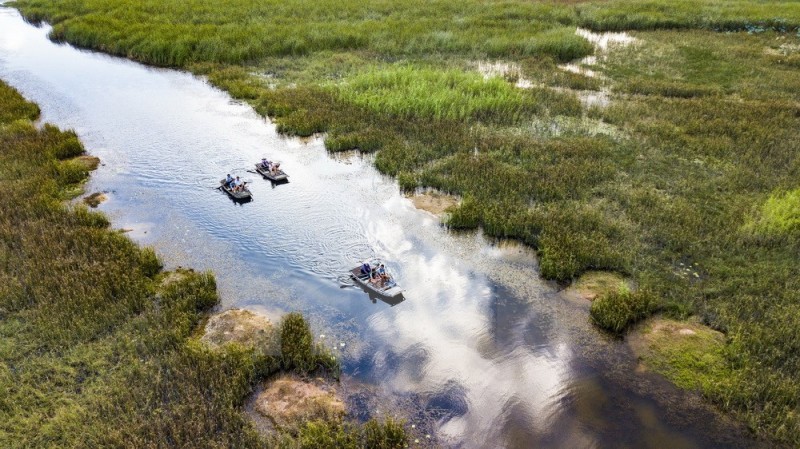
[{"x": 481, "y": 353}]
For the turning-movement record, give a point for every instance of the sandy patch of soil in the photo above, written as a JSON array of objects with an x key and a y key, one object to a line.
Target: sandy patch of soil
[
  {"x": 433, "y": 202},
  {"x": 288, "y": 401},
  {"x": 594, "y": 283},
  {"x": 240, "y": 326}
]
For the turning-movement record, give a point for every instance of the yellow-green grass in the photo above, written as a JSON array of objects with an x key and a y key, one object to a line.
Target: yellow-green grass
[
  {"x": 703, "y": 130},
  {"x": 686, "y": 352},
  {"x": 779, "y": 216},
  {"x": 95, "y": 350}
]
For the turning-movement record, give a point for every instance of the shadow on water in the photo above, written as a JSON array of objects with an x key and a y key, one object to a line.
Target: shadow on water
[
  {"x": 483, "y": 354},
  {"x": 391, "y": 301},
  {"x": 234, "y": 199},
  {"x": 273, "y": 182}
]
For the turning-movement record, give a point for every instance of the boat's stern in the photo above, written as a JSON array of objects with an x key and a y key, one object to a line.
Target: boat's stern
[{"x": 393, "y": 292}]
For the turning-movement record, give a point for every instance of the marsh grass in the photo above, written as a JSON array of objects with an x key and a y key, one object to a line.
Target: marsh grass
[
  {"x": 717, "y": 15},
  {"x": 240, "y": 31},
  {"x": 298, "y": 351},
  {"x": 617, "y": 309},
  {"x": 705, "y": 138},
  {"x": 413, "y": 92},
  {"x": 96, "y": 343}
]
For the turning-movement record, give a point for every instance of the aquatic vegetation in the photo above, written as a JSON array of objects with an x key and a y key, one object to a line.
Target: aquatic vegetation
[
  {"x": 319, "y": 434},
  {"x": 693, "y": 164},
  {"x": 407, "y": 92}
]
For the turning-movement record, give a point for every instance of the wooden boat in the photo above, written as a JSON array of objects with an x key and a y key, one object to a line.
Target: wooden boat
[
  {"x": 386, "y": 288},
  {"x": 241, "y": 195},
  {"x": 274, "y": 176}
]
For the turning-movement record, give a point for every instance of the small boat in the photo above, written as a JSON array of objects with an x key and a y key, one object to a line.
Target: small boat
[
  {"x": 273, "y": 175},
  {"x": 242, "y": 195},
  {"x": 387, "y": 288}
]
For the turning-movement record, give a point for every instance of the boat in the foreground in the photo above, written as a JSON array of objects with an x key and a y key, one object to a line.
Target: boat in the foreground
[
  {"x": 382, "y": 285},
  {"x": 242, "y": 194},
  {"x": 274, "y": 173}
]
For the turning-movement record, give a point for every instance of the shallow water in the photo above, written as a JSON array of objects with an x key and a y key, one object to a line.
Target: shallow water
[{"x": 481, "y": 353}]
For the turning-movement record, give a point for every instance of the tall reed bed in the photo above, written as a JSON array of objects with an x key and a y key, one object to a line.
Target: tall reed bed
[
  {"x": 175, "y": 33},
  {"x": 96, "y": 348},
  {"x": 410, "y": 92}
]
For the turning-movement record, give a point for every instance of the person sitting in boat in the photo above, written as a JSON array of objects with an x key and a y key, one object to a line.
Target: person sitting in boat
[
  {"x": 237, "y": 184},
  {"x": 229, "y": 181},
  {"x": 265, "y": 164},
  {"x": 382, "y": 273},
  {"x": 375, "y": 278},
  {"x": 276, "y": 168},
  {"x": 366, "y": 269}
]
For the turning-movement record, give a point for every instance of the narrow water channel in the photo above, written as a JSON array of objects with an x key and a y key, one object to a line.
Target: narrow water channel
[{"x": 481, "y": 353}]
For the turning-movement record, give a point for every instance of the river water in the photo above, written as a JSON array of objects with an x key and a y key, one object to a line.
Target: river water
[{"x": 481, "y": 353}]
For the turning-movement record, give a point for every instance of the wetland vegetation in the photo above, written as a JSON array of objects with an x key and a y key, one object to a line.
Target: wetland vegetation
[
  {"x": 98, "y": 345},
  {"x": 686, "y": 182}
]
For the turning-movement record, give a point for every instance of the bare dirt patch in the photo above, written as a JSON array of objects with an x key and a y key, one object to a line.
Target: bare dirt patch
[
  {"x": 240, "y": 326},
  {"x": 95, "y": 199},
  {"x": 90, "y": 162},
  {"x": 433, "y": 202},
  {"x": 288, "y": 401},
  {"x": 595, "y": 283}
]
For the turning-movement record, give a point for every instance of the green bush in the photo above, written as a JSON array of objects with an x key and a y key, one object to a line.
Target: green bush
[
  {"x": 298, "y": 351},
  {"x": 614, "y": 311},
  {"x": 70, "y": 172},
  {"x": 14, "y": 107},
  {"x": 297, "y": 344},
  {"x": 69, "y": 147},
  {"x": 149, "y": 263}
]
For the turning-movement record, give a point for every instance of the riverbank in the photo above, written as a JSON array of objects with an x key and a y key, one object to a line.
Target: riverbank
[
  {"x": 686, "y": 184},
  {"x": 98, "y": 347}
]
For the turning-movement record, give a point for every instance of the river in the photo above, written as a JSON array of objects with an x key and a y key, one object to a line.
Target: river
[{"x": 481, "y": 353}]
